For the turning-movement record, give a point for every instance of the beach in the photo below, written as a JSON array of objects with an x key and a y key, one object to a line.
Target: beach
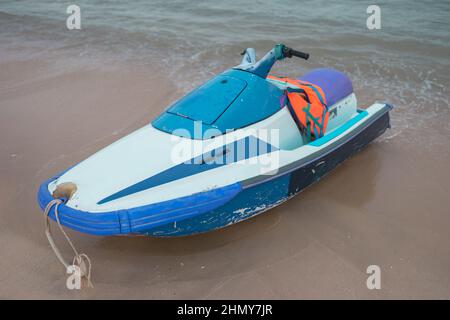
[{"x": 386, "y": 206}]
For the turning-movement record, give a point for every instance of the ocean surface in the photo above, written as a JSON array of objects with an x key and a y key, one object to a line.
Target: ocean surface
[
  {"x": 406, "y": 62},
  {"x": 64, "y": 94}
]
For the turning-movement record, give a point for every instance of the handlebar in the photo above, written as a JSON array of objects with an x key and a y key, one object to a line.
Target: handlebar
[
  {"x": 289, "y": 52},
  {"x": 262, "y": 67}
]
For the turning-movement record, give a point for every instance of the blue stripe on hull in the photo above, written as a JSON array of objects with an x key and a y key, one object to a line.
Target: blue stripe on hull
[{"x": 243, "y": 149}]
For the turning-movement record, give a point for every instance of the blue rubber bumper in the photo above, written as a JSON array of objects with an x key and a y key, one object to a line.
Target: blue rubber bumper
[{"x": 137, "y": 220}]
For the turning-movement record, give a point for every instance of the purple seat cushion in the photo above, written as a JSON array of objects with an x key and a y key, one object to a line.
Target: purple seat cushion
[{"x": 335, "y": 84}]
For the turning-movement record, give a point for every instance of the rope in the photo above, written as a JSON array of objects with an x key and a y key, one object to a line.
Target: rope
[{"x": 79, "y": 260}]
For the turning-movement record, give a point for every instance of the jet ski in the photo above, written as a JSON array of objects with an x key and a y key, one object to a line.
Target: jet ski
[{"x": 227, "y": 151}]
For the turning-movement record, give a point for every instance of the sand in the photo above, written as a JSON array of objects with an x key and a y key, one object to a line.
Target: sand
[{"x": 388, "y": 206}]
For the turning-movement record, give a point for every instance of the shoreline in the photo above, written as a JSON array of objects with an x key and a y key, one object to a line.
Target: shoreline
[{"x": 320, "y": 241}]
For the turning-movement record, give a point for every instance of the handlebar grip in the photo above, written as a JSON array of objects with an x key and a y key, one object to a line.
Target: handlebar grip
[
  {"x": 289, "y": 52},
  {"x": 299, "y": 54}
]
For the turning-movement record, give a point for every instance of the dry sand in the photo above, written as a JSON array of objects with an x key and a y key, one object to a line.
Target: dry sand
[{"x": 388, "y": 205}]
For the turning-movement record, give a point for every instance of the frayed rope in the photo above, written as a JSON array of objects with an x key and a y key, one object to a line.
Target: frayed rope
[{"x": 80, "y": 260}]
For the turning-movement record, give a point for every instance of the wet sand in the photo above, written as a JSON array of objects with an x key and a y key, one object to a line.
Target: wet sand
[{"x": 388, "y": 205}]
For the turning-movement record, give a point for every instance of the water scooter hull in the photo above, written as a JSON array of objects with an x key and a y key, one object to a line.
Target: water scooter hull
[
  {"x": 259, "y": 196},
  {"x": 146, "y": 183},
  {"x": 217, "y": 208}
]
